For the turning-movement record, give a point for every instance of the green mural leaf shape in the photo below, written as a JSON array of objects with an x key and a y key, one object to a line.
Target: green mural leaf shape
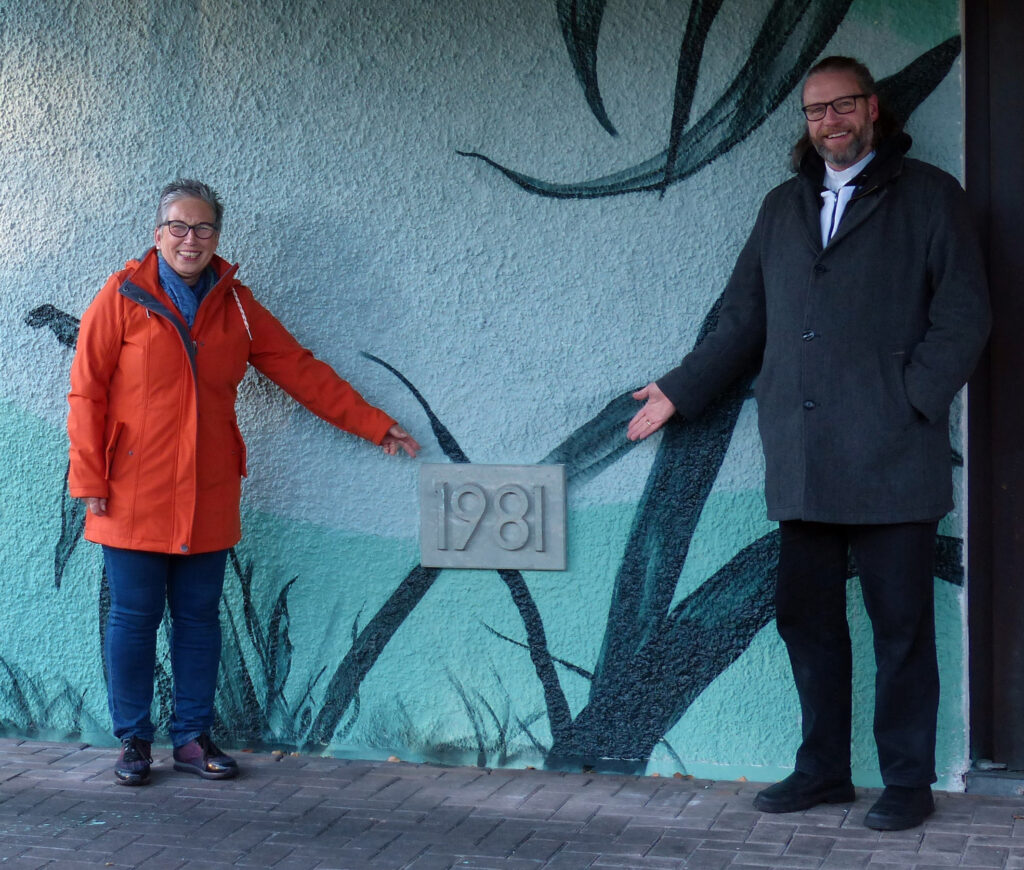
[
  {"x": 444, "y": 437},
  {"x": 692, "y": 646},
  {"x": 685, "y": 468},
  {"x": 698, "y": 26},
  {"x": 62, "y": 324},
  {"x": 72, "y": 524},
  {"x": 238, "y": 701},
  {"x": 907, "y": 89},
  {"x": 559, "y": 717},
  {"x": 791, "y": 38},
  {"x": 580, "y": 21},
  {"x": 279, "y": 649},
  {"x": 475, "y": 720},
  {"x": 576, "y": 669},
  {"x": 597, "y": 444}
]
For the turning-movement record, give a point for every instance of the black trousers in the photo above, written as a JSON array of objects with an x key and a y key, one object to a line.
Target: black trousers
[{"x": 895, "y": 565}]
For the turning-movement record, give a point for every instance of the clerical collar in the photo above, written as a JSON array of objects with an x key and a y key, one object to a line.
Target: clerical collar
[{"x": 837, "y": 178}]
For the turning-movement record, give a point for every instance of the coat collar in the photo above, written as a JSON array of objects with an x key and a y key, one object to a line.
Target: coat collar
[
  {"x": 886, "y": 166},
  {"x": 884, "y": 169},
  {"x": 142, "y": 286},
  {"x": 145, "y": 272}
]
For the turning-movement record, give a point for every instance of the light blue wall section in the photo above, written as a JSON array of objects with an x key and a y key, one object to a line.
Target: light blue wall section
[{"x": 332, "y": 131}]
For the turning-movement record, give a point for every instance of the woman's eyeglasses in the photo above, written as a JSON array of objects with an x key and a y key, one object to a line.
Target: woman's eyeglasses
[{"x": 179, "y": 229}]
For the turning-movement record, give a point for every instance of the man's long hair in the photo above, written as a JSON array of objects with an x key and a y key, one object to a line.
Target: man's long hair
[{"x": 886, "y": 126}]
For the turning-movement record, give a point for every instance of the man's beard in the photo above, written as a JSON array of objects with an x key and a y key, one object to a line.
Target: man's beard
[{"x": 848, "y": 156}]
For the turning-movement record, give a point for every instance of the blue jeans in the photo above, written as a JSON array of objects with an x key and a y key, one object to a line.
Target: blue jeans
[{"x": 140, "y": 582}]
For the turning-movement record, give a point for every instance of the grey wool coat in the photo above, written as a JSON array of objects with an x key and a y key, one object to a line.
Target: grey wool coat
[{"x": 862, "y": 345}]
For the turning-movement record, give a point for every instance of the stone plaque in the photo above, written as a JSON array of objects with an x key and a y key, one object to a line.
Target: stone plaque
[{"x": 492, "y": 516}]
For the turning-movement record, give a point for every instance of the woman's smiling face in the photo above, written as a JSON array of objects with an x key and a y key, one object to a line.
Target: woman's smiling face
[{"x": 190, "y": 255}]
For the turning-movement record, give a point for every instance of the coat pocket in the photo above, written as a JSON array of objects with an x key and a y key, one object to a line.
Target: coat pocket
[
  {"x": 115, "y": 436},
  {"x": 893, "y": 369},
  {"x": 240, "y": 449}
]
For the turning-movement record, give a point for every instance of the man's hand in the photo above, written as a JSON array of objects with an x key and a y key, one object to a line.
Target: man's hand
[
  {"x": 97, "y": 506},
  {"x": 398, "y": 437},
  {"x": 652, "y": 416}
]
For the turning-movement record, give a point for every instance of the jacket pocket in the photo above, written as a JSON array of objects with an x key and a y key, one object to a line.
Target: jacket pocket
[
  {"x": 115, "y": 436},
  {"x": 240, "y": 449}
]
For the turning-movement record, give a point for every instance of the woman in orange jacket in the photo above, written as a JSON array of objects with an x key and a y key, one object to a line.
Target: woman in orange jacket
[{"x": 157, "y": 456}]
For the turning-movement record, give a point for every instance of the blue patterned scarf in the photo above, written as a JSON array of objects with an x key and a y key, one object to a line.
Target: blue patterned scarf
[{"x": 185, "y": 298}]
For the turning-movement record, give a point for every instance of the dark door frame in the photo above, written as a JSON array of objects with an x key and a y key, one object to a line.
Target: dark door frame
[{"x": 994, "y": 168}]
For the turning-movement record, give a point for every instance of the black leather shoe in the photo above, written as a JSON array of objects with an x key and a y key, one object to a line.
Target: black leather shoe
[
  {"x": 900, "y": 808},
  {"x": 801, "y": 791}
]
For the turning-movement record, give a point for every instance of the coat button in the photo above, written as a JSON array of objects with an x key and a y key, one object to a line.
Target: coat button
[
  {"x": 820, "y": 268},
  {"x": 810, "y": 335},
  {"x": 809, "y": 405},
  {"x": 184, "y": 547}
]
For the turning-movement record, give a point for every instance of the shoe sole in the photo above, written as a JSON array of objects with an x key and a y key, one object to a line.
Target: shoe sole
[
  {"x": 205, "y": 774},
  {"x": 131, "y": 779},
  {"x": 841, "y": 795}
]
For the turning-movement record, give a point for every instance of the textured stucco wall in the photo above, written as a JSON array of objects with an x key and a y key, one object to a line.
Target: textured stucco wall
[{"x": 331, "y": 129}]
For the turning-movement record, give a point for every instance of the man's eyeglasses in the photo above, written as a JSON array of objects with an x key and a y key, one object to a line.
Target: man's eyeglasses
[
  {"x": 179, "y": 229},
  {"x": 840, "y": 105}
]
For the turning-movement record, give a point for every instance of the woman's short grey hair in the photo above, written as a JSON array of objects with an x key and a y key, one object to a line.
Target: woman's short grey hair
[{"x": 189, "y": 188}]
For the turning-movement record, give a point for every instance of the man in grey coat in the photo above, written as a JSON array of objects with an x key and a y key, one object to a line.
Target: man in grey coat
[{"x": 861, "y": 294}]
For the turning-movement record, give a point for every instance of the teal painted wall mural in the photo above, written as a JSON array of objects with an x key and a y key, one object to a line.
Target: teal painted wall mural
[{"x": 459, "y": 209}]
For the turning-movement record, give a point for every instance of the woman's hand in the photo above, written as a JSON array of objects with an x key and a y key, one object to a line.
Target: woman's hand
[
  {"x": 398, "y": 437},
  {"x": 652, "y": 416},
  {"x": 97, "y": 506}
]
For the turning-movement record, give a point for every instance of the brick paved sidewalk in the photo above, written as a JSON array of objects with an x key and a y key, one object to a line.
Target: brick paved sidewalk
[{"x": 59, "y": 807}]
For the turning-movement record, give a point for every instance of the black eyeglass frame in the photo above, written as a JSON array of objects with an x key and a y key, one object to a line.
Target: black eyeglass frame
[
  {"x": 199, "y": 229},
  {"x": 823, "y": 107}
]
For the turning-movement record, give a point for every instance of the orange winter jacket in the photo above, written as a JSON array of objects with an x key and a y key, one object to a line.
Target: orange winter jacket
[{"x": 152, "y": 408}]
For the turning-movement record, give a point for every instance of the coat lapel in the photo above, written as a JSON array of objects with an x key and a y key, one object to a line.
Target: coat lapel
[
  {"x": 872, "y": 186},
  {"x": 808, "y": 206},
  {"x": 858, "y": 210}
]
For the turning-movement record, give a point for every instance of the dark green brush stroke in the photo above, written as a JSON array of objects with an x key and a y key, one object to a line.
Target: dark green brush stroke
[
  {"x": 758, "y": 90},
  {"x": 580, "y": 21}
]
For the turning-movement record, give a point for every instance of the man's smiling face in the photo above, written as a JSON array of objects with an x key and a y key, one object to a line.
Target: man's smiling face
[{"x": 841, "y": 140}]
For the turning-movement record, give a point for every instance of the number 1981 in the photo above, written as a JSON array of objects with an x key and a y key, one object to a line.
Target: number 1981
[{"x": 492, "y": 516}]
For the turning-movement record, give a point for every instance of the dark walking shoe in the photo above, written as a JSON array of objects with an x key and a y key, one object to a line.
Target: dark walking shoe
[
  {"x": 900, "y": 807},
  {"x": 801, "y": 791},
  {"x": 202, "y": 757},
  {"x": 133, "y": 763}
]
